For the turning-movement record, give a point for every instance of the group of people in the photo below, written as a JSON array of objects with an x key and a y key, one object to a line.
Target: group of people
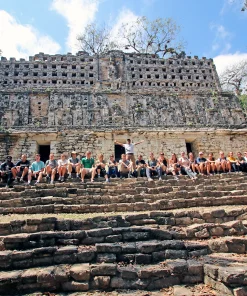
[{"x": 127, "y": 166}]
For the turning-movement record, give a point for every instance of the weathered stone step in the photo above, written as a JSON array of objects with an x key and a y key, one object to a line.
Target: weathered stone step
[
  {"x": 84, "y": 277},
  {"x": 190, "y": 216},
  {"x": 142, "y": 252},
  {"x": 163, "y": 204},
  {"x": 226, "y": 275}
]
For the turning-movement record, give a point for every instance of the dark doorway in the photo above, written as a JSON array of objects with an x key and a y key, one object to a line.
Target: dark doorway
[
  {"x": 119, "y": 150},
  {"x": 188, "y": 147},
  {"x": 44, "y": 151}
]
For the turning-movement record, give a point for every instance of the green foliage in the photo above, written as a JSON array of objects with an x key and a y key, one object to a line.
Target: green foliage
[{"x": 243, "y": 101}]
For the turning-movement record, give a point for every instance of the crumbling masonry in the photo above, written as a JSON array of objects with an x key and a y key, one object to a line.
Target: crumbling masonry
[{"x": 80, "y": 102}]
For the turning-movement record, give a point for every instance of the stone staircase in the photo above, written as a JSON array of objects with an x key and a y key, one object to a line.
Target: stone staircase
[{"x": 125, "y": 236}]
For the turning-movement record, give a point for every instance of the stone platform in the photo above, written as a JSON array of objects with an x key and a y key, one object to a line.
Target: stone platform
[{"x": 127, "y": 237}]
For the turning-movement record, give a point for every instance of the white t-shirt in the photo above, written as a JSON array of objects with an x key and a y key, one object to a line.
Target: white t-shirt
[
  {"x": 184, "y": 161},
  {"x": 129, "y": 148},
  {"x": 62, "y": 162}
]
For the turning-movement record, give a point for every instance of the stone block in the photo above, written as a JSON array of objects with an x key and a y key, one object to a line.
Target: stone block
[
  {"x": 75, "y": 286},
  {"x": 175, "y": 254},
  {"x": 80, "y": 272},
  {"x": 99, "y": 232},
  {"x": 127, "y": 272},
  {"x": 104, "y": 269},
  {"x": 106, "y": 257},
  {"x": 108, "y": 248},
  {"x": 143, "y": 259},
  {"x": 101, "y": 282}
]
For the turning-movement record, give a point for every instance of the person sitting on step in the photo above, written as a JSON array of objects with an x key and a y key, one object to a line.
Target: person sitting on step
[
  {"x": 222, "y": 164},
  {"x": 125, "y": 166},
  {"x": 87, "y": 166},
  {"x": 185, "y": 166},
  {"x": 51, "y": 168},
  {"x": 36, "y": 170},
  {"x": 193, "y": 164},
  {"x": 234, "y": 164},
  {"x": 74, "y": 165},
  {"x": 140, "y": 166},
  {"x": 62, "y": 167},
  {"x": 202, "y": 163},
  {"x": 100, "y": 168},
  {"x": 163, "y": 163},
  {"x": 174, "y": 166},
  {"x": 153, "y": 168},
  {"x": 112, "y": 167},
  {"x": 21, "y": 168},
  {"x": 5, "y": 171},
  {"x": 242, "y": 162},
  {"x": 211, "y": 167}
]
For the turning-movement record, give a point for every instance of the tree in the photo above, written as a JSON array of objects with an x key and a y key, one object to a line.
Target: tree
[
  {"x": 244, "y": 6},
  {"x": 234, "y": 78},
  {"x": 154, "y": 37},
  {"x": 141, "y": 36},
  {"x": 96, "y": 40}
]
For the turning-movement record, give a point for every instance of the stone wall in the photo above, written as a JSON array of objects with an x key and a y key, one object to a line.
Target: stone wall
[
  {"x": 114, "y": 109},
  {"x": 168, "y": 141},
  {"x": 115, "y": 70}
]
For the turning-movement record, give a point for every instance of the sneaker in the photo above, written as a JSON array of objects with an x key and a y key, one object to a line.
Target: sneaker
[
  {"x": 176, "y": 178},
  {"x": 59, "y": 179},
  {"x": 69, "y": 176},
  {"x": 160, "y": 179},
  {"x": 62, "y": 179},
  {"x": 150, "y": 179},
  {"x": 82, "y": 181},
  {"x": 7, "y": 186},
  {"x": 98, "y": 176},
  {"x": 36, "y": 183},
  {"x": 47, "y": 178},
  {"x": 21, "y": 180},
  {"x": 77, "y": 176},
  {"x": 107, "y": 180},
  {"x": 52, "y": 182}
]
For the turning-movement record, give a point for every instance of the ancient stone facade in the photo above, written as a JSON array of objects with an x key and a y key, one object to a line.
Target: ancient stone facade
[{"x": 82, "y": 102}]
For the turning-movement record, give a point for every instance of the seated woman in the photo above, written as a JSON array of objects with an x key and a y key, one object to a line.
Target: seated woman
[
  {"x": 211, "y": 167},
  {"x": 193, "y": 164},
  {"x": 163, "y": 163},
  {"x": 174, "y": 166},
  {"x": 185, "y": 166},
  {"x": 234, "y": 164},
  {"x": 222, "y": 163},
  {"x": 100, "y": 170},
  {"x": 62, "y": 167}
]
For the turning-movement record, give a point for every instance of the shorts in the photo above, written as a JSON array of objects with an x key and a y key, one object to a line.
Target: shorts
[{"x": 89, "y": 171}]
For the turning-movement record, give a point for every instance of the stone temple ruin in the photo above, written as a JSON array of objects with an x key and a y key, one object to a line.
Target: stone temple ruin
[
  {"x": 80, "y": 102},
  {"x": 164, "y": 237}
]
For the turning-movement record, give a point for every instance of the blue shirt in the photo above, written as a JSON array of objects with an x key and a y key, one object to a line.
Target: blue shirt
[{"x": 37, "y": 166}]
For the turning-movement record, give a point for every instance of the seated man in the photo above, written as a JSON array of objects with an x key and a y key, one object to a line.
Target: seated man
[
  {"x": 202, "y": 163},
  {"x": 36, "y": 170},
  {"x": 193, "y": 164},
  {"x": 185, "y": 166},
  {"x": 21, "y": 168},
  {"x": 222, "y": 163},
  {"x": 210, "y": 164},
  {"x": 87, "y": 164},
  {"x": 153, "y": 168},
  {"x": 62, "y": 167},
  {"x": 100, "y": 168},
  {"x": 234, "y": 164},
  {"x": 141, "y": 167},
  {"x": 242, "y": 162},
  {"x": 163, "y": 163},
  {"x": 125, "y": 166},
  {"x": 112, "y": 167},
  {"x": 51, "y": 168},
  {"x": 5, "y": 170},
  {"x": 74, "y": 165}
]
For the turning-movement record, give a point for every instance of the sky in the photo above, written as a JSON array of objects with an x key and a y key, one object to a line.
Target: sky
[{"x": 212, "y": 28}]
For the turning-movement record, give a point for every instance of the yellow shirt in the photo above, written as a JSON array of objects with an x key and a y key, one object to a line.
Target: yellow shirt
[{"x": 231, "y": 159}]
